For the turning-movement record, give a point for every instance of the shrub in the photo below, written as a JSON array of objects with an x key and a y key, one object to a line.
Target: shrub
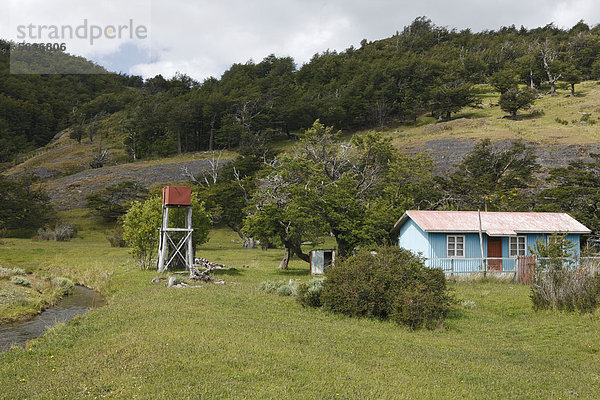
[
  {"x": 280, "y": 287},
  {"x": 557, "y": 282},
  {"x": 391, "y": 283},
  {"x": 309, "y": 294},
  {"x": 286, "y": 290},
  {"x": 46, "y": 233},
  {"x": 8, "y": 272},
  {"x": 63, "y": 232},
  {"x": 270, "y": 286},
  {"x": 115, "y": 237},
  {"x": 66, "y": 286},
  {"x": 19, "y": 280},
  {"x": 563, "y": 288}
]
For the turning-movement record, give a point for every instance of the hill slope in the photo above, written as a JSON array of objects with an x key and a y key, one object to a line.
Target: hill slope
[
  {"x": 562, "y": 128},
  {"x": 64, "y": 167}
]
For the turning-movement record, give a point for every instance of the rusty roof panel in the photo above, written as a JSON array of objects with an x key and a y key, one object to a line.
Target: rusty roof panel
[{"x": 494, "y": 223}]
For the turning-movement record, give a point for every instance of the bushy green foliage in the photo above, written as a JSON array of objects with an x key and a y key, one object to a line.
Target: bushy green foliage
[
  {"x": 346, "y": 189},
  {"x": 35, "y": 107},
  {"x": 575, "y": 189},
  {"x": 286, "y": 290},
  {"x": 309, "y": 294},
  {"x": 392, "y": 283},
  {"x": 516, "y": 99},
  {"x": 280, "y": 287},
  {"x": 66, "y": 286},
  {"x": 141, "y": 223},
  {"x": 24, "y": 206},
  {"x": 422, "y": 69},
  {"x": 19, "y": 280},
  {"x": 495, "y": 176},
  {"x": 270, "y": 286}
]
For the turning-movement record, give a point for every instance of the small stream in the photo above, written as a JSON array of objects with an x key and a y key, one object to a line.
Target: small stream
[{"x": 17, "y": 333}]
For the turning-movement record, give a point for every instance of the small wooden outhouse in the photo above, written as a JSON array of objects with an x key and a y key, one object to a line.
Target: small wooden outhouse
[{"x": 321, "y": 259}]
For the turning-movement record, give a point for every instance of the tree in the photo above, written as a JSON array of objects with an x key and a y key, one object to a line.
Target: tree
[
  {"x": 574, "y": 189},
  {"x": 572, "y": 76},
  {"x": 326, "y": 186},
  {"x": 504, "y": 80},
  {"x": 25, "y": 207},
  {"x": 551, "y": 64},
  {"x": 77, "y": 132},
  {"x": 280, "y": 213},
  {"x": 113, "y": 201},
  {"x": 451, "y": 97},
  {"x": 516, "y": 99},
  {"x": 493, "y": 175},
  {"x": 141, "y": 223},
  {"x": 350, "y": 177},
  {"x": 228, "y": 198}
]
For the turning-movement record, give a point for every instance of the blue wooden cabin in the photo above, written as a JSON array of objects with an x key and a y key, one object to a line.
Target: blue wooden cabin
[{"x": 451, "y": 239}]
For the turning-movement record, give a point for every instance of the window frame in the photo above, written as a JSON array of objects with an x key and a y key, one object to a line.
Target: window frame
[
  {"x": 455, "y": 249},
  {"x": 516, "y": 239}
]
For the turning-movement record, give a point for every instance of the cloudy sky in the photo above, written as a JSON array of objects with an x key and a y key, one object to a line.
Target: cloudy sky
[{"x": 203, "y": 38}]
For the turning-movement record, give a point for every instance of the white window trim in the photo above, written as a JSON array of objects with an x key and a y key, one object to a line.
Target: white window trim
[
  {"x": 510, "y": 239},
  {"x": 463, "y": 249}
]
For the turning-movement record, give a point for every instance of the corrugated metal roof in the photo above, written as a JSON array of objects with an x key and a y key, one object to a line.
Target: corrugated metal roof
[{"x": 493, "y": 223}]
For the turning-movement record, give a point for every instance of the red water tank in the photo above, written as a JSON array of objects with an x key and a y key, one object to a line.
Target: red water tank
[{"x": 177, "y": 195}]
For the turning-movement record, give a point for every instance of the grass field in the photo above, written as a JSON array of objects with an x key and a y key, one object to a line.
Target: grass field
[
  {"x": 538, "y": 125},
  {"x": 232, "y": 341}
]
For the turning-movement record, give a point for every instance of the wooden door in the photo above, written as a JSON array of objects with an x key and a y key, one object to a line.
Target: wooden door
[{"x": 494, "y": 249}]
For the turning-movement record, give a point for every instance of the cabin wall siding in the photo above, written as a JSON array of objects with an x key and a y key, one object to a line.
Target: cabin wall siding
[
  {"x": 412, "y": 238},
  {"x": 439, "y": 245}
]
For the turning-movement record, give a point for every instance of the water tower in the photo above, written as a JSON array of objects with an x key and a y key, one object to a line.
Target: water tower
[{"x": 175, "y": 243}]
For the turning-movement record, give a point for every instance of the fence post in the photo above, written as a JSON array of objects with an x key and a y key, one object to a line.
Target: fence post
[{"x": 452, "y": 267}]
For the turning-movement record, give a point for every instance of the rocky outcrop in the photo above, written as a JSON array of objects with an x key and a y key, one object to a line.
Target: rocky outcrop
[
  {"x": 448, "y": 152},
  {"x": 70, "y": 192}
]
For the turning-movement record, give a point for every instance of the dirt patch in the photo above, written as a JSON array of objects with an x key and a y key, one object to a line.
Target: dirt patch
[{"x": 70, "y": 192}]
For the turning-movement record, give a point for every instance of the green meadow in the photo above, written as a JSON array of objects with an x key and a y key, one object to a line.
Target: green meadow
[{"x": 231, "y": 341}]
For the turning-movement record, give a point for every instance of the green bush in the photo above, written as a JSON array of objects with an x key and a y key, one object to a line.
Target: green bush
[
  {"x": 391, "y": 283},
  {"x": 19, "y": 280},
  {"x": 309, "y": 294},
  {"x": 286, "y": 290},
  {"x": 270, "y": 286},
  {"x": 142, "y": 221},
  {"x": 66, "y": 286},
  {"x": 280, "y": 287}
]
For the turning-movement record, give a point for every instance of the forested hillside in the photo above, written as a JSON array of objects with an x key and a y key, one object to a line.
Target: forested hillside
[
  {"x": 422, "y": 70},
  {"x": 33, "y": 108}
]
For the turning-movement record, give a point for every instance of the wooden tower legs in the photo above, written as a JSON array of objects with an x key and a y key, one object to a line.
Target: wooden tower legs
[{"x": 168, "y": 251}]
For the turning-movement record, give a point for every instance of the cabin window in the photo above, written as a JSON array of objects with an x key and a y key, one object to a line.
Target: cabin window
[
  {"x": 455, "y": 245},
  {"x": 518, "y": 246}
]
